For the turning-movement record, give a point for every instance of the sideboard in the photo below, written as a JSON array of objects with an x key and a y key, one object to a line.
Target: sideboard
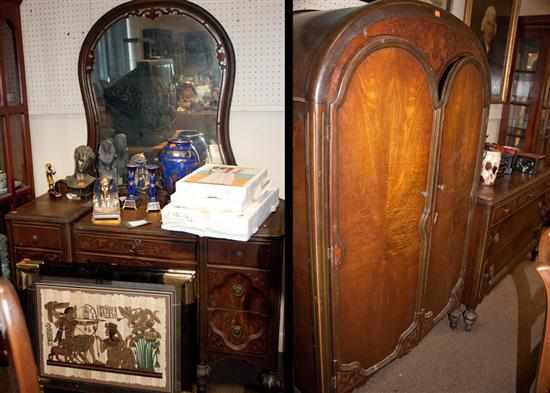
[
  {"x": 239, "y": 283},
  {"x": 508, "y": 219}
]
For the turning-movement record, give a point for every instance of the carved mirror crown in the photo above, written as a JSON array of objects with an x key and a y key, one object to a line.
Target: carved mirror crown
[{"x": 151, "y": 68}]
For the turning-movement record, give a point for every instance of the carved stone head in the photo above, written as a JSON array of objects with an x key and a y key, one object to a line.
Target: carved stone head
[{"x": 84, "y": 158}]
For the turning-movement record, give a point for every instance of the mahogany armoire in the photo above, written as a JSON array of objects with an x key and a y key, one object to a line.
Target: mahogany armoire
[{"x": 390, "y": 106}]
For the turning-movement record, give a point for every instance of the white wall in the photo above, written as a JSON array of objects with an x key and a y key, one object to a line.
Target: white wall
[{"x": 53, "y": 32}]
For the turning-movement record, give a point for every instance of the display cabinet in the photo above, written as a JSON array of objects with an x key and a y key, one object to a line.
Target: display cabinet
[
  {"x": 525, "y": 115},
  {"x": 16, "y": 177}
]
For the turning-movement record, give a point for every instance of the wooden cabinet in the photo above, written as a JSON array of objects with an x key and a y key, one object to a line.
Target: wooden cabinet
[
  {"x": 390, "y": 104},
  {"x": 525, "y": 119},
  {"x": 16, "y": 174},
  {"x": 508, "y": 220},
  {"x": 239, "y": 283}
]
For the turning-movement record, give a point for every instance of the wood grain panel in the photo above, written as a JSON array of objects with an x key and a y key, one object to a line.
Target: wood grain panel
[
  {"x": 460, "y": 138},
  {"x": 383, "y": 137},
  {"x": 306, "y": 371}
]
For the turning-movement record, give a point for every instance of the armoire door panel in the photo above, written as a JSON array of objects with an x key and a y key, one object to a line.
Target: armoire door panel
[
  {"x": 380, "y": 160},
  {"x": 460, "y": 139}
]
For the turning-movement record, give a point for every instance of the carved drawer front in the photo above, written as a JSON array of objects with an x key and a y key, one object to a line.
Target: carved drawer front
[
  {"x": 239, "y": 290},
  {"x": 503, "y": 210},
  {"x": 46, "y": 256},
  {"x": 529, "y": 195},
  {"x": 514, "y": 235},
  {"x": 259, "y": 255},
  {"x": 137, "y": 247},
  {"x": 509, "y": 230},
  {"x": 48, "y": 237},
  {"x": 234, "y": 331}
]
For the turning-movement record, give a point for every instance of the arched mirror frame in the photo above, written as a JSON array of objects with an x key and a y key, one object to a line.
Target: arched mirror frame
[{"x": 153, "y": 9}]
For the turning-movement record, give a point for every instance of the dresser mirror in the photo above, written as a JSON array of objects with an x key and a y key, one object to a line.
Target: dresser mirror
[{"x": 149, "y": 69}]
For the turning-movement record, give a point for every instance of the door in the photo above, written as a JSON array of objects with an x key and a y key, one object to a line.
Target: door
[
  {"x": 457, "y": 179},
  {"x": 382, "y": 136}
]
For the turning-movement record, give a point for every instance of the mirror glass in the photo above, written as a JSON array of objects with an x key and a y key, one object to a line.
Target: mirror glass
[{"x": 153, "y": 78}]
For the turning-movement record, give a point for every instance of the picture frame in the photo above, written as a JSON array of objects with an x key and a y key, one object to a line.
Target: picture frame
[
  {"x": 443, "y": 4},
  {"x": 498, "y": 36},
  {"x": 114, "y": 335}
]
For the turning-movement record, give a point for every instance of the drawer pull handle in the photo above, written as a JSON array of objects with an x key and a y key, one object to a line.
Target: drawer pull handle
[
  {"x": 34, "y": 238},
  {"x": 238, "y": 253},
  {"x": 506, "y": 210},
  {"x": 441, "y": 187},
  {"x": 238, "y": 290},
  {"x": 236, "y": 331},
  {"x": 496, "y": 237}
]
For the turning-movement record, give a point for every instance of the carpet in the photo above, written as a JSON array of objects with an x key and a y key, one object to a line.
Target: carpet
[{"x": 499, "y": 355}]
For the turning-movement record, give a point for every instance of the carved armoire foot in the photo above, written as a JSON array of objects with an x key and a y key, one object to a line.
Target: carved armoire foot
[
  {"x": 454, "y": 317},
  {"x": 270, "y": 382},
  {"x": 470, "y": 317}
]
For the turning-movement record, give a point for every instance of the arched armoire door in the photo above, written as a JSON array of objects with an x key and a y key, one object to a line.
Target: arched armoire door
[
  {"x": 380, "y": 171},
  {"x": 462, "y": 116}
]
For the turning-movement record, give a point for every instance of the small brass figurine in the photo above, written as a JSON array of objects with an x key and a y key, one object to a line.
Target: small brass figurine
[
  {"x": 50, "y": 172},
  {"x": 81, "y": 182},
  {"x": 106, "y": 202}
]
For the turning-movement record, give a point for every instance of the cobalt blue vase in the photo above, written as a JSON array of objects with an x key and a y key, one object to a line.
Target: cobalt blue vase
[
  {"x": 197, "y": 139},
  {"x": 178, "y": 158}
]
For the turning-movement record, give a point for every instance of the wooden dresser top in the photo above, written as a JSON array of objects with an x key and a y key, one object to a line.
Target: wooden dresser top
[
  {"x": 62, "y": 210},
  {"x": 510, "y": 186},
  {"x": 46, "y": 209}
]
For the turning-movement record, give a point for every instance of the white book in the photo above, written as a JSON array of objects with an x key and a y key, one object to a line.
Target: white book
[
  {"x": 234, "y": 186},
  {"x": 192, "y": 201},
  {"x": 204, "y": 222}
]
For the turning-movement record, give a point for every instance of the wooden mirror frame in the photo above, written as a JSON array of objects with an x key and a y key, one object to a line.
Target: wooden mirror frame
[{"x": 153, "y": 9}]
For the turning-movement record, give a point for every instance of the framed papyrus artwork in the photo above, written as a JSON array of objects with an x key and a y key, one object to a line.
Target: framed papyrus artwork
[{"x": 118, "y": 334}]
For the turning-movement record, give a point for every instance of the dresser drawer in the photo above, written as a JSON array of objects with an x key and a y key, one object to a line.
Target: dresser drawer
[
  {"x": 258, "y": 255},
  {"x": 46, "y": 256},
  {"x": 237, "y": 332},
  {"x": 503, "y": 210},
  {"x": 139, "y": 247},
  {"x": 48, "y": 237},
  {"x": 239, "y": 290},
  {"x": 508, "y": 231}
]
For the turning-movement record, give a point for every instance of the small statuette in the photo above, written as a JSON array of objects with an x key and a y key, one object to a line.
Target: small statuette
[
  {"x": 153, "y": 203},
  {"x": 106, "y": 202},
  {"x": 50, "y": 172},
  {"x": 130, "y": 202}
]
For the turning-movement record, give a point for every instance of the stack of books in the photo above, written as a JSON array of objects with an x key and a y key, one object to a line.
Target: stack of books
[{"x": 222, "y": 201}]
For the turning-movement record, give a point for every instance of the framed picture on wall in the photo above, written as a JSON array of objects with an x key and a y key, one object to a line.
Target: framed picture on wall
[
  {"x": 115, "y": 335},
  {"x": 495, "y": 23}
]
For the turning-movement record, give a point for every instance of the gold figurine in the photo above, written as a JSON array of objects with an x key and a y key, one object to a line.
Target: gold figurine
[{"x": 50, "y": 172}]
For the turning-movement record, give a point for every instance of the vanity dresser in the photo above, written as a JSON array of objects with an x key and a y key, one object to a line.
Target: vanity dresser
[
  {"x": 232, "y": 308},
  {"x": 390, "y": 105}
]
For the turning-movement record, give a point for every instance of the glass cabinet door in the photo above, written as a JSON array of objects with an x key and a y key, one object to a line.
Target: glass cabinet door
[
  {"x": 12, "y": 90},
  {"x": 522, "y": 92}
]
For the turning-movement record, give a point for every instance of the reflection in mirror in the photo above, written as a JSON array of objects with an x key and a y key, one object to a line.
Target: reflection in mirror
[{"x": 153, "y": 78}]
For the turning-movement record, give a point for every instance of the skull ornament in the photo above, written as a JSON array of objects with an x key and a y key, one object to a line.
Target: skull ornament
[{"x": 489, "y": 167}]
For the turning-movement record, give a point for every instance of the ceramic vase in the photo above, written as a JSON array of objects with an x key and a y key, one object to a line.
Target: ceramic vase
[
  {"x": 489, "y": 167},
  {"x": 198, "y": 141},
  {"x": 178, "y": 158}
]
